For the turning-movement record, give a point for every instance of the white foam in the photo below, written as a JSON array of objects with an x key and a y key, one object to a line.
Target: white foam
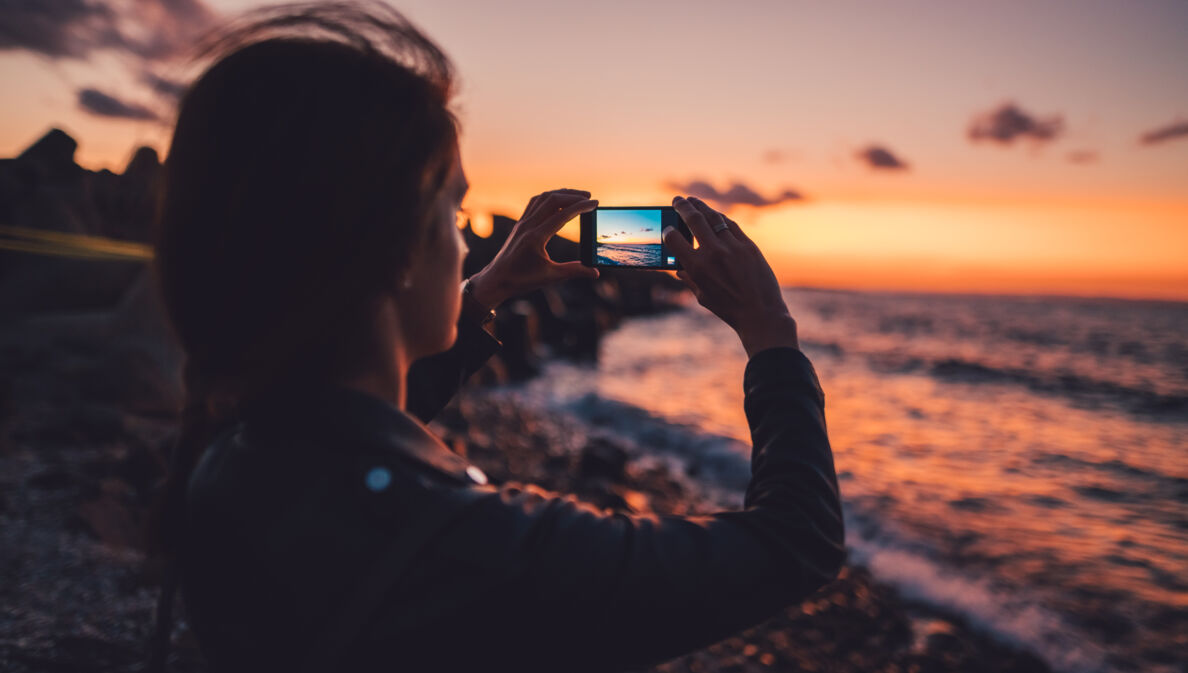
[
  {"x": 892, "y": 555},
  {"x": 995, "y": 611}
]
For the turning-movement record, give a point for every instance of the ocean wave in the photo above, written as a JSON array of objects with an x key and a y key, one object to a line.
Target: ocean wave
[
  {"x": 1155, "y": 485},
  {"x": 721, "y": 462},
  {"x": 1011, "y": 616},
  {"x": 1077, "y": 387},
  {"x": 719, "y": 468}
]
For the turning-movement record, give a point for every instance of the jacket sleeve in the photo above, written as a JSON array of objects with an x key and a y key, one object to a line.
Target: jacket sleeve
[
  {"x": 628, "y": 590},
  {"x": 434, "y": 380}
]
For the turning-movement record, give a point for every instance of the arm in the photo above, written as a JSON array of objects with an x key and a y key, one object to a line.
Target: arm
[
  {"x": 520, "y": 266},
  {"x": 433, "y": 380},
  {"x": 565, "y": 586}
]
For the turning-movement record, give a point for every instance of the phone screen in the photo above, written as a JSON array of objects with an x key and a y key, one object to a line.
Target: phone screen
[{"x": 631, "y": 237}]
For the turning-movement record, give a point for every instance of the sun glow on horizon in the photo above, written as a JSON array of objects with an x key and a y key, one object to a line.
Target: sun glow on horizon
[{"x": 1077, "y": 188}]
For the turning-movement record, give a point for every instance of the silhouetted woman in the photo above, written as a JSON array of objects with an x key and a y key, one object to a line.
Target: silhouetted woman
[{"x": 310, "y": 263}]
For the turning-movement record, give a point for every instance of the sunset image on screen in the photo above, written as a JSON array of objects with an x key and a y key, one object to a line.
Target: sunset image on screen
[{"x": 628, "y": 238}]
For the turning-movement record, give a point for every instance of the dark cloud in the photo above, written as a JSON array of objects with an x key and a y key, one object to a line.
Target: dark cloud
[
  {"x": 737, "y": 195},
  {"x": 98, "y": 103},
  {"x": 881, "y": 158},
  {"x": 1082, "y": 157},
  {"x": 149, "y": 29},
  {"x": 1165, "y": 133},
  {"x": 1007, "y": 122},
  {"x": 166, "y": 88},
  {"x": 54, "y": 28}
]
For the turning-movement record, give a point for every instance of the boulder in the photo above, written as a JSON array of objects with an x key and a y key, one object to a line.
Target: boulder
[{"x": 601, "y": 459}]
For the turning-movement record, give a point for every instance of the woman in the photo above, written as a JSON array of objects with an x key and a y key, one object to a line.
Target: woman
[{"x": 308, "y": 255}]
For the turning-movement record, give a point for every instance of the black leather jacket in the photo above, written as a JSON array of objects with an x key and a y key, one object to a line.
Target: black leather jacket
[{"x": 289, "y": 515}]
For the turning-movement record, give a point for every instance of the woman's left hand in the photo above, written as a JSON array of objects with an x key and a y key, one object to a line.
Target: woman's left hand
[{"x": 522, "y": 265}]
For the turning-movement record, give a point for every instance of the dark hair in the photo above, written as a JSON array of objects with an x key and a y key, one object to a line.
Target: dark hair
[{"x": 301, "y": 177}]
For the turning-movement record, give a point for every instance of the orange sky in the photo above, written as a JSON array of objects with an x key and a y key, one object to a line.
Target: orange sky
[{"x": 625, "y": 99}]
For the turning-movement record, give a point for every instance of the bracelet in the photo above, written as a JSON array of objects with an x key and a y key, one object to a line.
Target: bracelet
[{"x": 473, "y": 308}]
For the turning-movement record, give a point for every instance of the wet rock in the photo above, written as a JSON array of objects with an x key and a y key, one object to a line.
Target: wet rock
[
  {"x": 601, "y": 459},
  {"x": 110, "y": 518},
  {"x": 54, "y": 478},
  {"x": 81, "y": 424}
]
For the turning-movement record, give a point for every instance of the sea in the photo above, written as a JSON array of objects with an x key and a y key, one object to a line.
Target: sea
[
  {"x": 629, "y": 254},
  {"x": 1021, "y": 462}
]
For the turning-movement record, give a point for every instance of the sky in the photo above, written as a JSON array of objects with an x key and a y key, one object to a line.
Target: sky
[
  {"x": 1008, "y": 147},
  {"x": 628, "y": 226}
]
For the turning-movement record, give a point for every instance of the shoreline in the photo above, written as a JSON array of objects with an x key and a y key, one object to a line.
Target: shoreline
[
  {"x": 84, "y": 416},
  {"x": 855, "y": 623}
]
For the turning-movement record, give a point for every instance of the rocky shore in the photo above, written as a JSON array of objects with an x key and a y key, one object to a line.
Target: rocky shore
[
  {"x": 77, "y": 468},
  {"x": 88, "y": 402}
]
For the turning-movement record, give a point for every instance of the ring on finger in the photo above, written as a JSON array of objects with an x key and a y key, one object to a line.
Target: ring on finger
[{"x": 720, "y": 227}]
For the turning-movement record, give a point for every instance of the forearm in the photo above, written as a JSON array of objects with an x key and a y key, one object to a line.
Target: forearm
[
  {"x": 769, "y": 332},
  {"x": 631, "y": 590},
  {"x": 793, "y": 477},
  {"x": 433, "y": 381}
]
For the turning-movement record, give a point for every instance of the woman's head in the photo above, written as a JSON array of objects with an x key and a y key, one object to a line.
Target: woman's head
[
  {"x": 312, "y": 175},
  {"x": 311, "y": 186}
]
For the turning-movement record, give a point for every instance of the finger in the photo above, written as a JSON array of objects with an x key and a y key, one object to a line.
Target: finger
[
  {"x": 553, "y": 223},
  {"x": 738, "y": 232},
  {"x": 552, "y": 202},
  {"x": 695, "y": 219},
  {"x": 531, "y": 207},
  {"x": 541, "y": 200},
  {"x": 567, "y": 270},
  {"x": 715, "y": 219},
  {"x": 678, "y": 245}
]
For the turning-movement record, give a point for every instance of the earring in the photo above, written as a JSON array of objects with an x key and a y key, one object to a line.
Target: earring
[{"x": 406, "y": 283}]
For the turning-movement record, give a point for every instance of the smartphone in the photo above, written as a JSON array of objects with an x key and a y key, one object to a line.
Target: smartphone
[{"x": 629, "y": 236}]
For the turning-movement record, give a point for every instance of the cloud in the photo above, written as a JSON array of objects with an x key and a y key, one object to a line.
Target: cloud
[
  {"x": 166, "y": 88},
  {"x": 738, "y": 194},
  {"x": 778, "y": 155},
  {"x": 1007, "y": 122},
  {"x": 1082, "y": 157},
  {"x": 879, "y": 157},
  {"x": 100, "y": 104},
  {"x": 152, "y": 30},
  {"x": 1163, "y": 134},
  {"x": 54, "y": 29}
]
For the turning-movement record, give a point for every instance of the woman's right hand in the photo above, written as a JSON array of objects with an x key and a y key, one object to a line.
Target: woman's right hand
[{"x": 729, "y": 276}]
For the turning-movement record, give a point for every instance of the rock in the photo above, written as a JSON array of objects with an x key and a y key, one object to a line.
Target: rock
[
  {"x": 53, "y": 478},
  {"x": 601, "y": 459},
  {"x": 51, "y": 156},
  {"x": 516, "y": 327},
  {"x": 144, "y": 165},
  {"x": 36, "y": 284},
  {"x": 109, "y": 518},
  {"x": 43, "y": 189}
]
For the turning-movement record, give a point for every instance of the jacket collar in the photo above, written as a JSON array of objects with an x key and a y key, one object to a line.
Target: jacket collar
[{"x": 366, "y": 421}]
